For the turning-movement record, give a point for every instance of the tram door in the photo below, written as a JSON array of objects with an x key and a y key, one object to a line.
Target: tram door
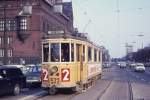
[{"x": 79, "y": 59}]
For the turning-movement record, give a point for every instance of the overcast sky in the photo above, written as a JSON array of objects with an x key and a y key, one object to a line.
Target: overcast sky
[{"x": 100, "y": 19}]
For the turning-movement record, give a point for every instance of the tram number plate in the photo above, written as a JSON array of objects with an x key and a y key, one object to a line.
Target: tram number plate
[{"x": 54, "y": 80}]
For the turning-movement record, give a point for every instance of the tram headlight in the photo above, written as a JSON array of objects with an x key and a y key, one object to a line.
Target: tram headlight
[{"x": 54, "y": 69}]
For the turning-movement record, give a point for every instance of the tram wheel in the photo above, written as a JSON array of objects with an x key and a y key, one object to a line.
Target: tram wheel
[{"x": 52, "y": 91}]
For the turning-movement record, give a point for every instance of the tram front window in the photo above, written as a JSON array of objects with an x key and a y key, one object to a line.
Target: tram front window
[
  {"x": 65, "y": 55},
  {"x": 55, "y": 52},
  {"x": 45, "y": 52}
]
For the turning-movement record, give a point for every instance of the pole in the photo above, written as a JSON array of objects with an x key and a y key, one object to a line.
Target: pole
[{"x": 5, "y": 34}]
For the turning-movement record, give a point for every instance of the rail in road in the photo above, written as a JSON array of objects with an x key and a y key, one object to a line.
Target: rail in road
[{"x": 119, "y": 88}]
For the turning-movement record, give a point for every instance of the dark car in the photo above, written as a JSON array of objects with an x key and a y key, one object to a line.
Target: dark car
[
  {"x": 12, "y": 80},
  {"x": 33, "y": 75}
]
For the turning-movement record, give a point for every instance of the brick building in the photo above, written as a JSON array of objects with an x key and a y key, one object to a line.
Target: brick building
[{"x": 23, "y": 24}]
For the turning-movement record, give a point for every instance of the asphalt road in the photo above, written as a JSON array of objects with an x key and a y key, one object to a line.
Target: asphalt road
[{"x": 116, "y": 84}]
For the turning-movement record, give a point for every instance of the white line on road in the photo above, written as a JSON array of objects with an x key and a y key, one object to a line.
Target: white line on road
[{"x": 32, "y": 95}]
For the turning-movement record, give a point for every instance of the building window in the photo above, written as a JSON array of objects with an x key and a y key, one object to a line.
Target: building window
[
  {"x": 44, "y": 27},
  {"x": 12, "y": 25},
  {"x": 1, "y": 40},
  {"x": 23, "y": 24},
  {"x": 10, "y": 52},
  {"x": 47, "y": 27},
  {"x": 1, "y": 52},
  {"x": 9, "y": 40},
  {"x": 1, "y": 25}
]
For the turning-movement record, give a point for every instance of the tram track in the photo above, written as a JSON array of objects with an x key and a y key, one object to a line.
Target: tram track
[
  {"x": 129, "y": 87},
  {"x": 104, "y": 91},
  {"x": 130, "y": 90}
]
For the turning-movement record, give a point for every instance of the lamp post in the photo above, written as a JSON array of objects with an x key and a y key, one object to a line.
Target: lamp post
[
  {"x": 141, "y": 35},
  {"x": 5, "y": 32}
]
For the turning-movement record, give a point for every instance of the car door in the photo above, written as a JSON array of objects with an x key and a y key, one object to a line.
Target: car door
[{"x": 3, "y": 82}]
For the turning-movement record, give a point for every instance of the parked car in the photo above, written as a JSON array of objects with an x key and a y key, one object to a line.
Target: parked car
[
  {"x": 132, "y": 65},
  {"x": 139, "y": 67},
  {"x": 12, "y": 80},
  {"x": 106, "y": 65},
  {"x": 122, "y": 65},
  {"x": 147, "y": 64},
  {"x": 33, "y": 75}
]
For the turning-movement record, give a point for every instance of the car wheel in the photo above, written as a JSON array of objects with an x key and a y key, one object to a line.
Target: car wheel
[{"x": 16, "y": 89}]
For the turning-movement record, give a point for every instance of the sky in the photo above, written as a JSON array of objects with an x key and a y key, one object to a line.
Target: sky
[{"x": 111, "y": 28}]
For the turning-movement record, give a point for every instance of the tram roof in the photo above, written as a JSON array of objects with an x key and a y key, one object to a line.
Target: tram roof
[{"x": 69, "y": 36}]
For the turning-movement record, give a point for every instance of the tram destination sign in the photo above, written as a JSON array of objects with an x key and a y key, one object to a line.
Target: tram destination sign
[{"x": 56, "y": 32}]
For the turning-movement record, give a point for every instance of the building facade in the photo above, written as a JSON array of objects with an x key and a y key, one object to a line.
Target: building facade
[{"x": 24, "y": 23}]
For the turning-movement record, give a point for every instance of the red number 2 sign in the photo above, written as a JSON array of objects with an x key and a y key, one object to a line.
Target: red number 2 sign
[{"x": 65, "y": 75}]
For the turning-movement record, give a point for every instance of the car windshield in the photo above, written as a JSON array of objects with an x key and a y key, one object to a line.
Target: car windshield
[{"x": 34, "y": 70}]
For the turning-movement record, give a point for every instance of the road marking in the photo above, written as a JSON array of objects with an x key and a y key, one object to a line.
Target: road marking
[{"x": 33, "y": 95}]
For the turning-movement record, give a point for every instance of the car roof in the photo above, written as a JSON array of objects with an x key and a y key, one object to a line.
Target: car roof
[
  {"x": 8, "y": 67},
  {"x": 18, "y": 66}
]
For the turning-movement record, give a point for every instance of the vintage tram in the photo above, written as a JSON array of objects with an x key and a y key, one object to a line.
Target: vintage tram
[{"x": 69, "y": 62}]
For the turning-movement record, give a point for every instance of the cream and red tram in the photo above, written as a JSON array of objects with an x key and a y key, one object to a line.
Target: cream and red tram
[{"x": 69, "y": 63}]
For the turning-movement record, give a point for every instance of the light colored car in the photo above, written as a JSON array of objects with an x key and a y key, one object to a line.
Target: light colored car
[
  {"x": 139, "y": 67},
  {"x": 122, "y": 65},
  {"x": 106, "y": 65},
  {"x": 132, "y": 65}
]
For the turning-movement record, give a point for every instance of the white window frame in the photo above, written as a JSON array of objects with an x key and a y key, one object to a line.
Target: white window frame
[
  {"x": 10, "y": 52},
  {"x": 1, "y": 52}
]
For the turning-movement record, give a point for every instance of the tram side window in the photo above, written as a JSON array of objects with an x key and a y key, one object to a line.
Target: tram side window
[
  {"x": 83, "y": 56},
  {"x": 89, "y": 54},
  {"x": 65, "y": 54},
  {"x": 77, "y": 52},
  {"x": 55, "y": 56},
  {"x": 95, "y": 55},
  {"x": 72, "y": 52},
  {"x": 99, "y": 56},
  {"x": 45, "y": 52}
]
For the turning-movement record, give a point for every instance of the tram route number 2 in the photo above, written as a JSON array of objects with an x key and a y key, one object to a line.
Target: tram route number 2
[
  {"x": 65, "y": 74},
  {"x": 45, "y": 74}
]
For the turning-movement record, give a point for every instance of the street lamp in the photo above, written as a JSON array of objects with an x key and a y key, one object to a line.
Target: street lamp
[
  {"x": 5, "y": 34},
  {"x": 141, "y": 35}
]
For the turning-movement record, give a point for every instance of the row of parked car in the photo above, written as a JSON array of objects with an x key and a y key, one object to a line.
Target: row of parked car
[
  {"x": 139, "y": 67},
  {"x": 15, "y": 77}
]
